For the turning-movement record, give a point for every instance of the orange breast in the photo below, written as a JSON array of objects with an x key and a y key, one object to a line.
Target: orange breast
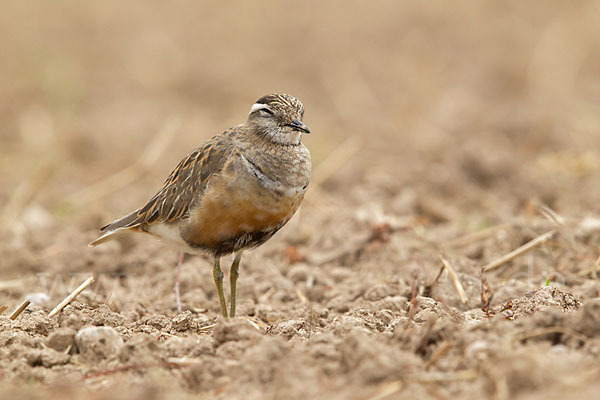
[{"x": 224, "y": 214}]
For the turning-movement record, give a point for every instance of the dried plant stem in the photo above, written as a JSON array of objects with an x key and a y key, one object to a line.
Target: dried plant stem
[
  {"x": 550, "y": 330},
  {"x": 184, "y": 361},
  {"x": 207, "y": 327},
  {"x": 455, "y": 281},
  {"x": 438, "y": 353},
  {"x": 519, "y": 251},
  {"x": 15, "y": 283},
  {"x": 477, "y": 236},
  {"x": 252, "y": 323},
  {"x": 2, "y": 309},
  {"x": 387, "y": 389},
  {"x": 464, "y": 375},
  {"x": 301, "y": 296},
  {"x": 19, "y": 309},
  {"x": 70, "y": 297}
]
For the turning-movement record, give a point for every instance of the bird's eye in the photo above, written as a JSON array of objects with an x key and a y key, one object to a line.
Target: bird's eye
[{"x": 265, "y": 112}]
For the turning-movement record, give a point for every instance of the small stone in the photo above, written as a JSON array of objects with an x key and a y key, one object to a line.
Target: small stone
[
  {"x": 298, "y": 273},
  {"x": 35, "y": 218},
  {"x": 98, "y": 342},
  {"x": 38, "y": 299}
]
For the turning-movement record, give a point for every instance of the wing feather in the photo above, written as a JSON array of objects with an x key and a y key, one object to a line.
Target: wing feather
[
  {"x": 187, "y": 182},
  {"x": 181, "y": 189}
]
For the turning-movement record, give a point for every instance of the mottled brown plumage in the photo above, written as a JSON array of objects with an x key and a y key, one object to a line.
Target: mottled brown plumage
[{"x": 232, "y": 193}]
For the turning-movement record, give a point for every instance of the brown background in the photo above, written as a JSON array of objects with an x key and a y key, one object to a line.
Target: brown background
[{"x": 430, "y": 119}]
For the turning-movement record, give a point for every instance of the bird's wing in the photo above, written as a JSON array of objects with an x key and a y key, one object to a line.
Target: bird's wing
[
  {"x": 187, "y": 182},
  {"x": 183, "y": 186}
]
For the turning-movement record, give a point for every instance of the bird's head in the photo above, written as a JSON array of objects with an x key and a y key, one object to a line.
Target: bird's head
[{"x": 278, "y": 117}]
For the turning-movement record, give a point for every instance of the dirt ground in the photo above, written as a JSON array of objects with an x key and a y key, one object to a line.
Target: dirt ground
[{"x": 442, "y": 135}]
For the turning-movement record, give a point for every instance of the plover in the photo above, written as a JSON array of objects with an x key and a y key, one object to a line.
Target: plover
[{"x": 232, "y": 193}]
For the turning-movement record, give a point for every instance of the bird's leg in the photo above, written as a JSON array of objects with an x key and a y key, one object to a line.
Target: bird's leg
[
  {"x": 218, "y": 275},
  {"x": 234, "y": 272},
  {"x": 177, "y": 279}
]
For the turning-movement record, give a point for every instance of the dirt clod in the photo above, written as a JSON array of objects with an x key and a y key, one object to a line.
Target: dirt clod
[
  {"x": 543, "y": 299},
  {"x": 62, "y": 339}
]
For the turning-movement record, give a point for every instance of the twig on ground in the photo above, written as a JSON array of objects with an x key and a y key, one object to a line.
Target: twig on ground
[
  {"x": 348, "y": 250},
  {"x": 2, "y": 309},
  {"x": 424, "y": 339},
  {"x": 184, "y": 361},
  {"x": 477, "y": 236},
  {"x": 387, "y": 389},
  {"x": 455, "y": 281},
  {"x": 70, "y": 297},
  {"x": 438, "y": 353},
  {"x": 550, "y": 330},
  {"x": 550, "y": 214},
  {"x": 464, "y": 375},
  {"x": 519, "y": 251},
  {"x": 413, "y": 303},
  {"x": 12, "y": 284},
  {"x": 486, "y": 295},
  {"x": 560, "y": 222},
  {"x": 19, "y": 309},
  {"x": 301, "y": 296},
  {"x": 108, "y": 298},
  {"x": 352, "y": 248},
  {"x": 438, "y": 276},
  {"x": 428, "y": 289},
  {"x": 253, "y": 323},
  {"x": 207, "y": 327},
  {"x": 129, "y": 174}
]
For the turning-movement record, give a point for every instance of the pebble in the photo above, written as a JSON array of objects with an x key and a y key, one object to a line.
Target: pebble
[{"x": 99, "y": 342}]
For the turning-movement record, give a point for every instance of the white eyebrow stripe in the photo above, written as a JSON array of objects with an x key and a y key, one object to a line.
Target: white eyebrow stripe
[{"x": 257, "y": 106}]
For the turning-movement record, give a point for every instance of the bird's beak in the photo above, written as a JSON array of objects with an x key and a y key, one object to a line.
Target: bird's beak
[{"x": 297, "y": 125}]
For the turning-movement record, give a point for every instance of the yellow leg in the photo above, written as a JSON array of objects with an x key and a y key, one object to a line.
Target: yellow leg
[
  {"x": 218, "y": 276},
  {"x": 234, "y": 272}
]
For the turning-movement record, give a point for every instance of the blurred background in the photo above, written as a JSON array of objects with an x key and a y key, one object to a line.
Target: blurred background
[
  {"x": 431, "y": 122},
  {"x": 462, "y": 112}
]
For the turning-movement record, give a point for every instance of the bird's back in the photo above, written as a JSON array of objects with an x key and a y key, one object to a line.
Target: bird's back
[{"x": 232, "y": 193}]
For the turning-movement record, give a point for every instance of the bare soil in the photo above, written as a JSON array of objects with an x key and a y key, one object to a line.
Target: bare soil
[{"x": 455, "y": 133}]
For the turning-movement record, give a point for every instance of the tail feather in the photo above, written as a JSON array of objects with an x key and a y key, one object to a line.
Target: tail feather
[
  {"x": 117, "y": 228},
  {"x": 110, "y": 235},
  {"x": 127, "y": 221}
]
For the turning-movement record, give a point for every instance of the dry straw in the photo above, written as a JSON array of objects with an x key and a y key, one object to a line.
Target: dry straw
[{"x": 72, "y": 296}]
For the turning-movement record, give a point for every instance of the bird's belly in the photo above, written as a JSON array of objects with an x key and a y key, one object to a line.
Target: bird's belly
[{"x": 228, "y": 220}]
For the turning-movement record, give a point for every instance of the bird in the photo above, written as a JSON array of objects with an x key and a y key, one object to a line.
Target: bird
[{"x": 230, "y": 194}]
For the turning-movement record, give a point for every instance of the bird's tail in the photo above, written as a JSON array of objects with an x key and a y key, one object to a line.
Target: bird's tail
[{"x": 117, "y": 228}]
